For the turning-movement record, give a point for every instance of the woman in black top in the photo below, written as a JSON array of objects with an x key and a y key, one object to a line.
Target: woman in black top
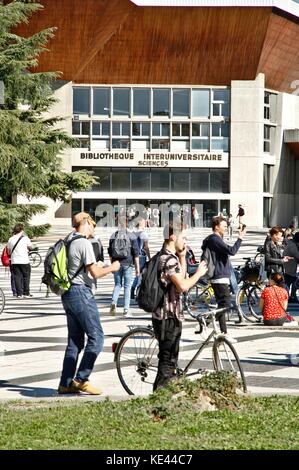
[{"x": 274, "y": 258}]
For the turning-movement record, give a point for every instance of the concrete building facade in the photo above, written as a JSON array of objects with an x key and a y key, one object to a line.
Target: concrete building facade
[{"x": 160, "y": 128}]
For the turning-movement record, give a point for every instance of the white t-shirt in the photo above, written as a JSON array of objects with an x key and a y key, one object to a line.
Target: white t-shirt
[{"x": 20, "y": 253}]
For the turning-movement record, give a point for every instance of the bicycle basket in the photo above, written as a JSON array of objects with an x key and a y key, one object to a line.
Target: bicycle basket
[{"x": 251, "y": 271}]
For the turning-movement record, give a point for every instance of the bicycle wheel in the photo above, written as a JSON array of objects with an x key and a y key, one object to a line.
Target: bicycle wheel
[
  {"x": 2, "y": 301},
  {"x": 136, "y": 361},
  {"x": 200, "y": 297},
  {"x": 247, "y": 302},
  {"x": 225, "y": 357},
  {"x": 35, "y": 259}
]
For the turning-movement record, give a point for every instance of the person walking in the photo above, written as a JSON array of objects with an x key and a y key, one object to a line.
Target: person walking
[
  {"x": 221, "y": 252},
  {"x": 167, "y": 319},
  {"x": 240, "y": 216},
  {"x": 123, "y": 247},
  {"x": 81, "y": 309},
  {"x": 18, "y": 247},
  {"x": 144, "y": 252},
  {"x": 230, "y": 226}
]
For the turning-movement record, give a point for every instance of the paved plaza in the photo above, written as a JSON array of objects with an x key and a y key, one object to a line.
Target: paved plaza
[{"x": 33, "y": 335}]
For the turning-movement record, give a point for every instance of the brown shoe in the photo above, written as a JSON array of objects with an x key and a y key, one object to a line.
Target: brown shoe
[
  {"x": 67, "y": 390},
  {"x": 86, "y": 387}
]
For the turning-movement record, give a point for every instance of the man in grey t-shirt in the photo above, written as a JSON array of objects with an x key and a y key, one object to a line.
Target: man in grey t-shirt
[{"x": 81, "y": 310}]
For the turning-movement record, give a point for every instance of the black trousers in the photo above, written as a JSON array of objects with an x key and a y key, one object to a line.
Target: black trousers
[
  {"x": 21, "y": 274},
  {"x": 290, "y": 282},
  {"x": 222, "y": 295},
  {"x": 168, "y": 333}
]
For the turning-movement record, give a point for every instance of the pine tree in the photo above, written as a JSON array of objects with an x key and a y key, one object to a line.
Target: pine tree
[{"x": 30, "y": 144}]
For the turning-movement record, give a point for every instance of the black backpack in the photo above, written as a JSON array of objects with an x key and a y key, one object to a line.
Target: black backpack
[
  {"x": 207, "y": 256},
  {"x": 121, "y": 245},
  {"x": 151, "y": 292}
]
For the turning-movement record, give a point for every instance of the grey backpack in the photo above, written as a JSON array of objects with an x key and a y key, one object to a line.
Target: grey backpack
[
  {"x": 121, "y": 245},
  {"x": 207, "y": 256}
]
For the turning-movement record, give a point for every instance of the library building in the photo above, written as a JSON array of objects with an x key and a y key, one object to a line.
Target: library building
[{"x": 178, "y": 103}]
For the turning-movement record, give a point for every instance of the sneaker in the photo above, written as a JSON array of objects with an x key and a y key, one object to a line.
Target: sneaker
[
  {"x": 86, "y": 387},
  {"x": 231, "y": 339},
  {"x": 67, "y": 390},
  {"x": 112, "y": 309},
  {"x": 29, "y": 296},
  {"x": 19, "y": 296},
  {"x": 126, "y": 313}
]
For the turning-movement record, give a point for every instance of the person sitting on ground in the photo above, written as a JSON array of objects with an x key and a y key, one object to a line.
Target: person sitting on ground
[{"x": 274, "y": 302}]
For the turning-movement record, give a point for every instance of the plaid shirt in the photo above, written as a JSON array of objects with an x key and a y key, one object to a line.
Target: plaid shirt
[{"x": 172, "y": 306}]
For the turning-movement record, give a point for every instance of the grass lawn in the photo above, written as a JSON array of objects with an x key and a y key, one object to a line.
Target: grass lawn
[{"x": 256, "y": 423}]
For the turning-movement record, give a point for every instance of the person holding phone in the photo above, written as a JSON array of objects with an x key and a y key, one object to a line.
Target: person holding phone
[
  {"x": 221, "y": 252},
  {"x": 275, "y": 259}
]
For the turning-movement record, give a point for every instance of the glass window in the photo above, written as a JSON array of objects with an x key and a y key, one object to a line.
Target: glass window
[
  {"x": 220, "y": 144},
  {"x": 161, "y": 102},
  {"x": 201, "y": 103},
  {"x": 181, "y": 102},
  {"x": 179, "y": 180},
  {"x": 85, "y": 128},
  {"x": 219, "y": 181},
  {"x": 216, "y": 109},
  {"x": 160, "y": 179},
  {"x": 141, "y": 129},
  {"x": 220, "y": 130},
  {"x": 200, "y": 144},
  {"x": 200, "y": 129},
  {"x": 141, "y": 101},
  {"x": 103, "y": 175},
  {"x": 121, "y": 144},
  {"x": 120, "y": 179},
  {"x": 180, "y": 129},
  {"x": 221, "y": 95},
  {"x": 160, "y": 144},
  {"x": 76, "y": 128},
  {"x": 101, "y": 128},
  {"x": 140, "y": 180},
  {"x": 161, "y": 129},
  {"x": 121, "y": 101},
  {"x": 267, "y": 178},
  {"x": 199, "y": 181},
  {"x": 81, "y": 100},
  {"x": 101, "y": 101}
]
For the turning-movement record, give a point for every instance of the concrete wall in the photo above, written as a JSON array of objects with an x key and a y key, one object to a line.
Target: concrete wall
[
  {"x": 285, "y": 173},
  {"x": 247, "y": 130},
  {"x": 57, "y": 212}
]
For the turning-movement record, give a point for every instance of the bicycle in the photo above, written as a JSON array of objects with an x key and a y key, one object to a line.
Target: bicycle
[
  {"x": 35, "y": 258},
  {"x": 137, "y": 362},
  {"x": 2, "y": 301}
]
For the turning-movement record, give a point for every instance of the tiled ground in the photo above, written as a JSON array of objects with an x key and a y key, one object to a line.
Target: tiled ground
[{"x": 33, "y": 335}]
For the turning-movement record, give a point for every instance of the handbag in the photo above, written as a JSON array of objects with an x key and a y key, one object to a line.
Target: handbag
[{"x": 5, "y": 257}]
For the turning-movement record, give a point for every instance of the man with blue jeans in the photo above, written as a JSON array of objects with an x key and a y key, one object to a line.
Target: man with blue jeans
[
  {"x": 81, "y": 309},
  {"x": 124, "y": 277}
]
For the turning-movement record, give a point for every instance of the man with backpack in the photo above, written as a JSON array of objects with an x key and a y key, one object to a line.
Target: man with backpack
[
  {"x": 81, "y": 308},
  {"x": 219, "y": 252},
  {"x": 144, "y": 252},
  {"x": 168, "y": 315},
  {"x": 123, "y": 247}
]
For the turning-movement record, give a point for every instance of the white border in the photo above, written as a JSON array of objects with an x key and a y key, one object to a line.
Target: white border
[{"x": 288, "y": 6}]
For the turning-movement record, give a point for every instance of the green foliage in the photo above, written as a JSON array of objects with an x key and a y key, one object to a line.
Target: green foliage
[
  {"x": 261, "y": 423},
  {"x": 220, "y": 388},
  {"x": 10, "y": 214},
  {"x": 31, "y": 144}
]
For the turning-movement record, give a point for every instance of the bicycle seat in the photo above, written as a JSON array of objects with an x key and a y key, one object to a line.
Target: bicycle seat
[{"x": 247, "y": 259}]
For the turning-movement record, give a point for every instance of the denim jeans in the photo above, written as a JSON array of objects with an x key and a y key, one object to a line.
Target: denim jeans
[
  {"x": 123, "y": 276},
  {"x": 82, "y": 318},
  {"x": 142, "y": 261}
]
